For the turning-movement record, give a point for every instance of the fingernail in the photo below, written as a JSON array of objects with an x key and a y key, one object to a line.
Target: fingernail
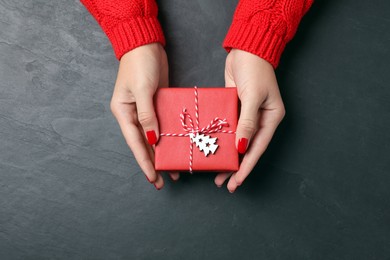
[
  {"x": 242, "y": 145},
  {"x": 151, "y": 136},
  {"x": 231, "y": 191},
  {"x": 156, "y": 187},
  {"x": 172, "y": 178},
  {"x": 148, "y": 179},
  {"x": 219, "y": 186}
]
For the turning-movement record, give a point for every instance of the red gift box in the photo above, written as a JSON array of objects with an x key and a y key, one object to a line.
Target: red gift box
[{"x": 197, "y": 129}]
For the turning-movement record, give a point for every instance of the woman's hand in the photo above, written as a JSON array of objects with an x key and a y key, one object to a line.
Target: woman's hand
[
  {"x": 141, "y": 72},
  {"x": 262, "y": 110}
]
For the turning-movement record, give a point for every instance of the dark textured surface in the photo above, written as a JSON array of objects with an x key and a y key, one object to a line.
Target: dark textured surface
[{"x": 70, "y": 188}]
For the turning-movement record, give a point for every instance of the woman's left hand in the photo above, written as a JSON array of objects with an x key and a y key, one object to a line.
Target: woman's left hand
[{"x": 262, "y": 110}]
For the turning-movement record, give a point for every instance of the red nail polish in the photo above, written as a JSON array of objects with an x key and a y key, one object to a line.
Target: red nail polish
[
  {"x": 148, "y": 179},
  {"x": 151, "y": 136},
  {"x": 172, "y": 178},
  {"x": 242, "y": 145},
  {"x": 156, "y": 187}
]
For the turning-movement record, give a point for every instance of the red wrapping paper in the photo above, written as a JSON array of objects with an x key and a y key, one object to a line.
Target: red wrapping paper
[{"x": 172, "y": 153}]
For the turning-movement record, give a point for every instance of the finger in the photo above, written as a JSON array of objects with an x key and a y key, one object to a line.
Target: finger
[
  {"x": 148, "y": 147},
  {"x": 135, "y": 141},
  {"x": 247, "y": 123},
  {"x": 221, "y": 178},
  {"x": 125, "y": 115},
  {"x": 232, "y": 184},
  {"x": 174, "y": 176},
  {"x": 269, "y": 122},
  {"x": 147, "y": 116},
  {"x": 159, "y": 183}
]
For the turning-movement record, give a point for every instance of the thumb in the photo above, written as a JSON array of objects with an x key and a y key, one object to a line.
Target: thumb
[
  {"x": 247, "y": 124},
  {"x": 147, "y": 116}
]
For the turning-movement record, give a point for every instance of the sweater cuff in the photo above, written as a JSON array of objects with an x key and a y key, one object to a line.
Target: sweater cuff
[
  {"x": 132, "y": 33},
  {"x": 259, "y": 40}
]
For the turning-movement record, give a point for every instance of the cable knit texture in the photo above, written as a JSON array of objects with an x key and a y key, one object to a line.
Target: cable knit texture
[
  {"x": 264, "y": 27},
  {"x": 127, "y": 23}
]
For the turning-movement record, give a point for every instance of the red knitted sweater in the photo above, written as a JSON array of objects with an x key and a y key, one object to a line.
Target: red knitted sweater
[{"x": 261, "y": 27}]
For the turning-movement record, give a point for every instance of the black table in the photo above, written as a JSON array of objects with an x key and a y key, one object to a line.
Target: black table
[{"x": 71, "y": 189}]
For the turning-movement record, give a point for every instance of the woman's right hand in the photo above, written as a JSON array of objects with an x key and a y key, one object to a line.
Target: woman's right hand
[{"x": 141, "y": 71}]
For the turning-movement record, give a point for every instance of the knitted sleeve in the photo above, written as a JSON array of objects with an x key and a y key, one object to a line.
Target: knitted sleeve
[
  {"x": 127, "y": 23},
  {"x": 264, "y": 27}
]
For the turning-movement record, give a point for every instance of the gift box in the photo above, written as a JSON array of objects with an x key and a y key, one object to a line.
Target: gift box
[{"x": 197, "y": 129}]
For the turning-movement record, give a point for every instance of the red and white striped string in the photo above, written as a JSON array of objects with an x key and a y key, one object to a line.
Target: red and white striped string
[{"x": 215, "y": 126}]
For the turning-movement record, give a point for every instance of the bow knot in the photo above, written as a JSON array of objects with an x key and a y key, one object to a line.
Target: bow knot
[{"x": 214, "y": 126}]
